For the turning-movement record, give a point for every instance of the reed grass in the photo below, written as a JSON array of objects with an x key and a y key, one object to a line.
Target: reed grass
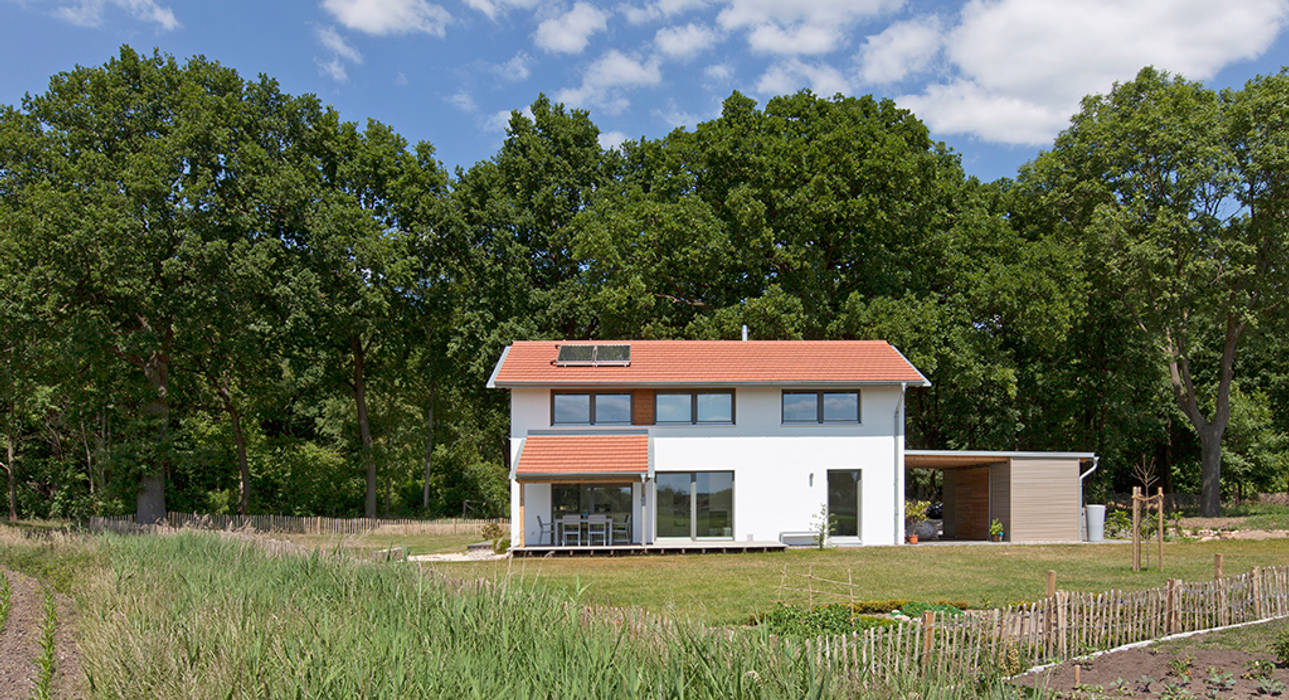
[{"x": 5, "y": 602}]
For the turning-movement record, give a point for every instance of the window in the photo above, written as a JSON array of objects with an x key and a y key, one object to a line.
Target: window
[
  {"x": 587, "y": 408},
  {"x": 694, "y": 407},
  {"x": 821, "y": 407},
  {"x": 695, "y": 505}
]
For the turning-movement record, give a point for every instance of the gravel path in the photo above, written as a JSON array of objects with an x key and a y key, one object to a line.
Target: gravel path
[{"x": 20, "y": 642}]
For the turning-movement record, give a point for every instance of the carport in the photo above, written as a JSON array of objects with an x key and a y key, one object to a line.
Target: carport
[{"x": 1038, "y": 496}]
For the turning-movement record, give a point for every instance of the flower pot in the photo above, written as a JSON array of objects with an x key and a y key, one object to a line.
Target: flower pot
[
  {"x": 995, "y": 538},
  {"x": 913, "y": 539}
]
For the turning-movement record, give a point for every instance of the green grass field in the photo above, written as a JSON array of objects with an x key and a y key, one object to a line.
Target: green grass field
[{"x": 729, "y": 588}]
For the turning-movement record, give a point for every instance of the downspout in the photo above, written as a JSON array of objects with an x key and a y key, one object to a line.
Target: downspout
[
  {"x": 1083, "y": 513},
  {"x": 899, "y": 465}
]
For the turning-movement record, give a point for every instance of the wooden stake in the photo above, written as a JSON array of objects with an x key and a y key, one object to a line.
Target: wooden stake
[
  {"x": 1217, "y": 567},
  {"x": 1136, "y": 528},
  {"x": 1257, "y": 593},
  {"x": 928, "y": 626},
  {"x": 1161, "y": 528},
  {"x": 1077, "y": 672},
  {"x": 1051, "y": 583}
]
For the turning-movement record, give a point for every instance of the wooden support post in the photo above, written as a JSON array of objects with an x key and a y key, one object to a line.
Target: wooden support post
[
  {"x": 1257, "y": 592},
  {"x": 1077, "y": 673},
  {"x": 1160, "y": 495},
  {"x": 1136, "y": 528},
  {"x": 1170, "y": 607},
  {"x": 928, "y": 629},
  {"x": 1217, "y": 567},
  {"x": 522, "y": 524},
  {"x": 1051, "y": 583}
]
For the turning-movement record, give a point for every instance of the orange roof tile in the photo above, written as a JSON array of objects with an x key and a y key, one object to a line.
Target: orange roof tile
[
  {"x": 678, "y": 362},
  {"x": 584, "y": 454}
]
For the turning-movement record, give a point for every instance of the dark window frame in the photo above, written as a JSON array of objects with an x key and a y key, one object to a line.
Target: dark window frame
[
  {"x": 693, "y": 407},
  {"x": 590, "y": 397},
  {"x": 819, "y": 406}
]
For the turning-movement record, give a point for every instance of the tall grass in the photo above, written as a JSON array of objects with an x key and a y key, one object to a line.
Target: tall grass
[
  {"x": 45, "y": 662},
  {"x": 5, "y": 603}
]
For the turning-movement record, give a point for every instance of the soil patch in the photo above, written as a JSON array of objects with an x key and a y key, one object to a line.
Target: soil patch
[
  {"x": 20, "y": 638},
  {"x": 1154, "y": 673}
]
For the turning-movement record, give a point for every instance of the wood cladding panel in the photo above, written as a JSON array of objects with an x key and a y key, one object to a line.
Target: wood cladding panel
[
  {"x": 642, "y": 407},
  {"x": 966, "y": 503},
  {"x": 1045, "y": 500}
]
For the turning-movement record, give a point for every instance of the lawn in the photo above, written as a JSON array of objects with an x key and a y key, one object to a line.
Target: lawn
[
  {"x": 729, "y": 588},
  {"x": 415, "y": 544}
]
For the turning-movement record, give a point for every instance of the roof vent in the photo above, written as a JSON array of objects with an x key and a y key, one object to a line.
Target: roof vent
[{"x": 594, "y": 355}]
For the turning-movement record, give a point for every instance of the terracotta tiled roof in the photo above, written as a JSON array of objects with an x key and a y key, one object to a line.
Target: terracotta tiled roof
[
  {"x": 584, "y": 454},
  {"x": 662, "y": 362}
]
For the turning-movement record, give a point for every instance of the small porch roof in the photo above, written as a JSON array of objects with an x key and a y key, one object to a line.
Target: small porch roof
[
  {"x": 585, "y": 455},
  {"x": 948, "y": 459}
]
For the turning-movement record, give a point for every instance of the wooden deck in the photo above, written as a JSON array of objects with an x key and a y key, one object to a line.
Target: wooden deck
[{"x": 700, "y": 547}]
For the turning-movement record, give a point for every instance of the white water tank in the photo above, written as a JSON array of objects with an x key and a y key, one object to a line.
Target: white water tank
[{"x": 1094, "y": 516}]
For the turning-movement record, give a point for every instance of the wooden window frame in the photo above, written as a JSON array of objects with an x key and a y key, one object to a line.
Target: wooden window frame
[
  {"x": 693, "y": 395},
  {"x": 819, "y": 406},
  {"x": 590, "y": 397}
]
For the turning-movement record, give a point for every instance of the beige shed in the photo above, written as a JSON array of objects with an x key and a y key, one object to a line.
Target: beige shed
[{"x": 1038, "y": 496}]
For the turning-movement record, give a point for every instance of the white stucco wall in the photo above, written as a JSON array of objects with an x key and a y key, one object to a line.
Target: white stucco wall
[{"x": 780, "y": 471}]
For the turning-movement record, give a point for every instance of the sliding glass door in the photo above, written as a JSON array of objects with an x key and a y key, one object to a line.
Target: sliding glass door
[
  {"x": 845, "y": 491},
  {"x": 696, "y": 505}
]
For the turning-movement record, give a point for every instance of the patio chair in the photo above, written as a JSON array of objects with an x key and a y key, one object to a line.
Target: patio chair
[
  {"x": 572, "y": 527},
  {"x": 623, "y": 528},
  {"x": 545, "y": 531},
  {"x": 598, "y": 526}
]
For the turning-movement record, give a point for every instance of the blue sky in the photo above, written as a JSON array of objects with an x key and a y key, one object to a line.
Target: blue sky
[{"x": 995, "y": 79}]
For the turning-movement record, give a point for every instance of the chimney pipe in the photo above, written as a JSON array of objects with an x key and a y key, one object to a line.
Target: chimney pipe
[{"x": 744, "y": 331}]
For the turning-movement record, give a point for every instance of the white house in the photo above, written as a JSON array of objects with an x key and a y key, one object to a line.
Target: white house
[{"x": 659, "y": 442}]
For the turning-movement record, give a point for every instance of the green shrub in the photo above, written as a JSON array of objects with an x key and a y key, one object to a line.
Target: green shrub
[
  {"x": 492, "y": 531},
  {"x": 501, "y": 544},
  {"x": 796, "y": 621},
  {"x": 1280, "y": 647},
  {"x": 916, "y": 608}
]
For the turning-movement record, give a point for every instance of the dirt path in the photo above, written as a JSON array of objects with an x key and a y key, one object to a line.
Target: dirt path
[{"x": 20, "y": 642}]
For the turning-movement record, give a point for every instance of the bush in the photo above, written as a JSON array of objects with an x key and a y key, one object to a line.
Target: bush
[
  {"x": 501, "y": 544},
  {"x": 1280, "y": 647},
  {"x": 915, "y": 609},
  {"x": 795, "y": 621},
  {"x": 492, "y": 531}
]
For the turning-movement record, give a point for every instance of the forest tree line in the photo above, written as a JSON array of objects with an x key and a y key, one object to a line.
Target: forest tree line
[{"x": 219, "y": 297}]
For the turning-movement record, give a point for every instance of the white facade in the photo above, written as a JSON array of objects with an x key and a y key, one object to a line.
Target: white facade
[{"x": 780, "y": 470}]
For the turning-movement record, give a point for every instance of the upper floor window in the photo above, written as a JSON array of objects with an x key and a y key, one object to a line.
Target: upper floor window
[
  {"x": 821, "y": 407},
  {"x": 694, "y": 407},
  {"x": 590, "y": 408}
]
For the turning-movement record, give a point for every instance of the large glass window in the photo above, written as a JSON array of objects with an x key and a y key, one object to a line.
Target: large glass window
[
  {"x": 571, "y": 408},
  {"x": 696, "y": 505},
  {"x": 612, "y": 408},
  {"x": 694, "y": 407},
  {"x": 590, "y": 409},
  {"x": 613, "y": 500},
  {"x": 821, "y": 407}
]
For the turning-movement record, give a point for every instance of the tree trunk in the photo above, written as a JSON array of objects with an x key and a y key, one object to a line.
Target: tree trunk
[
  {"x": 150, "y": 504},
  {"x": 1210, "y": 472},
  {"x": 429, "y": 451},
  {"x": 364, "y": 428},
  {"x": 89, "y": 455},
  {"x": 11, "y": 468},
  {"x": 239, "y": 439}
]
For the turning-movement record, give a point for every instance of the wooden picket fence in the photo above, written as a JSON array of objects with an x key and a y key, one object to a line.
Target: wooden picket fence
[
  {"x": 1064, "y": 626},
  {"x": 302, "y": 524}
]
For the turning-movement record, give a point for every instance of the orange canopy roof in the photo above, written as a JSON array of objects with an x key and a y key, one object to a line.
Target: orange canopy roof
[
  {"x": 713, "y": 362},
  {"x": 610, "y": 455}
]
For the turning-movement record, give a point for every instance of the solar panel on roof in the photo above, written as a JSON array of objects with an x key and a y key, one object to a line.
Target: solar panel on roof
[{"x": 594, "y": 355}]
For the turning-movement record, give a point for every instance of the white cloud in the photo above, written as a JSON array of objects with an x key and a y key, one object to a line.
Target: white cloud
[
  {"x": 500, "y": 120},
  {"x": 333, "y": 68},
  {"x": 463, "y": 101},
  {"x": 380, "y": 17},
  {"x": 493, "y": 8},
  {"x": 570, "y": 32},
  {"x": 611, "y": 139},
  {"x": 719, "y": 72},
  {"x": 684, "y": 41},
  {"x": 902, "y": 49},
  {"x": 1023, "y": 89},
  {"x": 89, "y": 13},
  {"x": 605, "y": 79},
  {"x": 659, "y": 9},
  {"x": 400, "y": 79},
  {"x": 336, "y": 44},
  {"x": 790, "y": 75},
  {"x": 516, "y": 68},
  {"x": 794, "y": 27}
]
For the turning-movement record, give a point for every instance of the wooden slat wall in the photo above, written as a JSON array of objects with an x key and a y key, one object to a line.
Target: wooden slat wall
[
  {"x": 642, "y": 407},
  {"x": 1044, "y": 500},
  {"x": 966, "y": 503}
]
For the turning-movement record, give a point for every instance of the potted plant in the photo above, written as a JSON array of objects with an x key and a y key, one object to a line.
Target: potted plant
[
  {"x": 914, "y": 515},
  {"x": 996, "y": 530}
]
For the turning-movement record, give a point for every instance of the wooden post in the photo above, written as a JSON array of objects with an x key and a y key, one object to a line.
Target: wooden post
[
  {"x": 1217, "y": 567},
  {"x": 1077, "y": 681},
  {"x": 1257, "y": 592},
  {"x": 1161, "y": 528},
  {"x": 1051, "y": 583},
  {"x": 522, "y": 524},
  {"x": 1170, "y": 606},
  {"x": 928, "y": 627},
  {"x": 1136, "y": 528}
]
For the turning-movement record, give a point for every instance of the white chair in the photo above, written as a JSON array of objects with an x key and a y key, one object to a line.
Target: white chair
[
  {"x": 545, "y": 531},
  {"x": 598, "y": 525},
  {"x": 571, "y": 526},
  {"x": 623, "y": 528}
]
